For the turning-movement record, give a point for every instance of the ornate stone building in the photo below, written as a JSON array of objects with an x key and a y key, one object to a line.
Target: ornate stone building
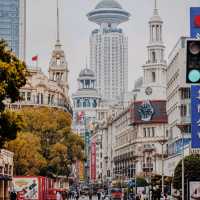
[{"x": 49, "y": 91}]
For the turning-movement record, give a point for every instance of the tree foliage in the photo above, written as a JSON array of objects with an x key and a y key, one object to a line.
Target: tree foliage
[
  {"x": 59, "y": 146},
  {"x": 27, "y": 157},
  {"x": 191, "y": 171},
  {"x": 12, "y": 77}
]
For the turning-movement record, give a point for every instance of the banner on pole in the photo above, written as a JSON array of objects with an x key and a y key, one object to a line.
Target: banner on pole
[{"x": 195, "y": 118}]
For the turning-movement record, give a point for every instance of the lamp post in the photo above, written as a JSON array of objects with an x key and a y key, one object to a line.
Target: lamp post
[
  {"x": 181, "y": 127},
  {"x": 162, "y": 142}
]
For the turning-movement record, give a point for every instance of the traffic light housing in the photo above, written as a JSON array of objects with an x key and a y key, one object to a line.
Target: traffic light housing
[{"x": 193, "y": 61}]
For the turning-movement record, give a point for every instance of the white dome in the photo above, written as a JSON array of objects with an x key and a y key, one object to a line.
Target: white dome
[
  {"x": 86, "y": 72},
  {"x": 108, "y": 4}
]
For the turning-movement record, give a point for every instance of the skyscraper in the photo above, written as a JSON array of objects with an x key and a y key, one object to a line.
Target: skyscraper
[
  {"x": 13, "y": 24},
  {"x": 109, "y": 50}
]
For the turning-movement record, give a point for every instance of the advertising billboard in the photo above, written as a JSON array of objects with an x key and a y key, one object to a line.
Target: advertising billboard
[
  {"x": 195, "y": 112},
  {"x": 28, "y": 186},
  {"x": 144, "y": 112},
  {"x": 195, "y": 22}
]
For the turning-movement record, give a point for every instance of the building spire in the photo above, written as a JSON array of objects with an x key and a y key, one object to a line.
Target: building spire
[
  {"x": 155, "y": 7},
  {"x": 86, "y": 62},
  {"x": 58, "y": 25}
]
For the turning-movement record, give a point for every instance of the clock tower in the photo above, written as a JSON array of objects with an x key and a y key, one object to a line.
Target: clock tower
[
  {"x": 58, "y": 67},
  {"x": 154, "y": 71}
]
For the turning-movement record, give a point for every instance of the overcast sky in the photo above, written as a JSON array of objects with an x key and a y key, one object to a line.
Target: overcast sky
[{"x": 75, "y": 31}]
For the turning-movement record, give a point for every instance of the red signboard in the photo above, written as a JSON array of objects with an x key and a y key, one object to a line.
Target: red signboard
[
  {"x": 144, "y": 112},
  {"x": 93, "y": 160}
]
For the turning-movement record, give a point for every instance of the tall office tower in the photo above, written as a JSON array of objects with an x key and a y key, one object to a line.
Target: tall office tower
[
  {"x": 13, "y": 25},
  {"x": 109, "y": 50}
]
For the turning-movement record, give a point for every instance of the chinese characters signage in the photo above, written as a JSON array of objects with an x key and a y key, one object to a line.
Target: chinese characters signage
[
  {"x": 195, "y": 103},
  {"x": 195, "y": 22},
  {"x": 93, "y": 160}
]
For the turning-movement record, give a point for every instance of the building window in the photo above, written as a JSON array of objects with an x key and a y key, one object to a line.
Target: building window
[
  {"x": 49, "y": 99},
  {"x": 41, "y": 98},
  {"x": 185, "y": 93},
  {"x": 28, "y": 96},
  {"x": 94, "y": 103},
  {"x": 84, "y": 104},
  {"x": 153, "y": 77},
  {"x": 149, "y": 132},
  {"x": 183, "y": 110},
  {"x": 22, "y": 96},
  {"x": 153, "y": 57},
  {"x": 38, "y": 98},
  {"x": 153, "y": 132},
  {"x": 145, "y": 132}
]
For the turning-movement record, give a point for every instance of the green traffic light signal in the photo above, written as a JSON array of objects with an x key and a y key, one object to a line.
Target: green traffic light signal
[
  {"x": 193, "y": 61},
  {"x": 194, "y": 76}
]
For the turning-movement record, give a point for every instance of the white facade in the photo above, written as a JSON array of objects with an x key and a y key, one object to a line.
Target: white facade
[
  {"x": 154, "y": 71},
  {"x": 109, "y": 50},
  {"x": 178, "y": 106}
]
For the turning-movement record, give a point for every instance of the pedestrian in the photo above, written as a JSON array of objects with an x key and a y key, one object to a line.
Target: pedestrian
[
  {"x": 13, "y": 195},
  {"x": 58, "y": 196},
  {"x": 77, "y": 195},
  {"x": 99, "y": 195},
  {"x": 90, "y": 195}
]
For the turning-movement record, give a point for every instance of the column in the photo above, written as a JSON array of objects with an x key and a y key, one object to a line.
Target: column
[
  {"x": 6, "y": 194},
  {"x": 1, "y": 190}
]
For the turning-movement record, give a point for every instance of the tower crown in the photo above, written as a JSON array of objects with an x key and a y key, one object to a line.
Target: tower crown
[
  {"x": 108, "y": 4},
  {"x": 108, "y": 11}
]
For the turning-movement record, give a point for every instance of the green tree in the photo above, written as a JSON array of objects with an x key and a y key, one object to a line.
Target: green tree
[
  {"x": 59, "y": 145},
  {"x": 27, "y": 154},
  {"x": 191, "y": 171},
  {"x": 59, "y": 163},
  {"x": 12, "y": 77}
]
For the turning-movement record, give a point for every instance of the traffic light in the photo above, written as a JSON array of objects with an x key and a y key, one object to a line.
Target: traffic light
[{"x": 193, "y": 61}]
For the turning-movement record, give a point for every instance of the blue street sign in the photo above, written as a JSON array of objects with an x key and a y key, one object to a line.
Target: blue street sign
[
  {"x": 195, "y": 112},
  {"x": 195, "y": 22}
]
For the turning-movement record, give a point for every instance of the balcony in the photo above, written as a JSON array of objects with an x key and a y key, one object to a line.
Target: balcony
[
  {"x": 149, "y": 147},
  {"x": 185, "y": 120},
  {"x": 147, "y": 167}
]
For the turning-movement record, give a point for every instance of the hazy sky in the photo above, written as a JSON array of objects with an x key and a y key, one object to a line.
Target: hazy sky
[{"x": 75, "y": 31}]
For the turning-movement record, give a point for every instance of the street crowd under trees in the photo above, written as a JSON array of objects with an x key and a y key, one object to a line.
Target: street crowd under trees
[{"x": 41, "y": 138}]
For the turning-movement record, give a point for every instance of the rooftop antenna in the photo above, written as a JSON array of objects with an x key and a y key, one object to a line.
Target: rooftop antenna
[
  {"x": 155, "y": 7},
  {"x": 86, "y": 62},
  {"x": 58, "y": 27}
]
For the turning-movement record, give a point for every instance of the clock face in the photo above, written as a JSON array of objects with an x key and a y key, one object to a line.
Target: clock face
[{"x": 148, "y": 91}]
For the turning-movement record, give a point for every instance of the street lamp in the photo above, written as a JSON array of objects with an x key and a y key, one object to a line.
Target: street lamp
[{"x": 162, "y": 142}]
